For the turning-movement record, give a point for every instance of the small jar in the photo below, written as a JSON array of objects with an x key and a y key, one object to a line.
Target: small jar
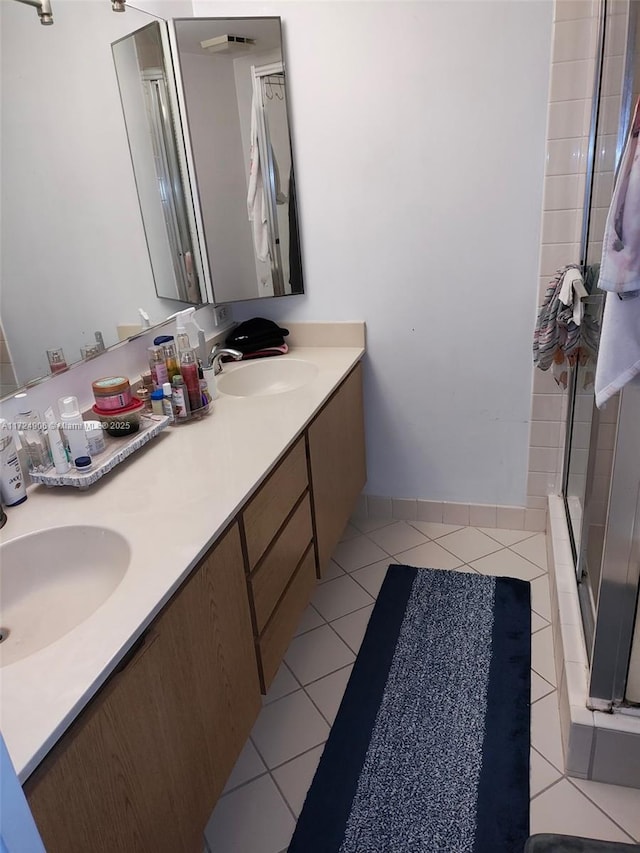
[
  {"x": 95, "y": 437},
  {"x": 83, "y": 463},
  {"x": 57, "y": 361},
  {"x": 144, "y": 395},
  {"x": 111, "y": 393}
]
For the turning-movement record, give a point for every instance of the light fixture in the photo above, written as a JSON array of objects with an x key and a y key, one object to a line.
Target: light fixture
[{"x": 227, "y": 43}]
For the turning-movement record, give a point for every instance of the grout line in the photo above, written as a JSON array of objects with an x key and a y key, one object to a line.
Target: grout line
[
  {"x": 599, "y": 807},
  {"x": 285, "y": 800}
]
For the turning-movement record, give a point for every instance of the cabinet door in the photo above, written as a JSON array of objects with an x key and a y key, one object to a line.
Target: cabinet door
[
  {"x": 142, "y": 767},
  {"x": 338, "y": 465}
]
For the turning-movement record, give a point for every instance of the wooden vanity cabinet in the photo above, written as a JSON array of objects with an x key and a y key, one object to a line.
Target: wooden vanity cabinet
[
  {"x": 337, "y": 463},
  {"x": 143, "y": 765},
  {"x": 281, "y": 562}
]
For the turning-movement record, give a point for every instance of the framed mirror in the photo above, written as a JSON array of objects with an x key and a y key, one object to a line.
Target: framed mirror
[
  {"x": 233, "y": 98},
  {"x": 74, "y": 255}
]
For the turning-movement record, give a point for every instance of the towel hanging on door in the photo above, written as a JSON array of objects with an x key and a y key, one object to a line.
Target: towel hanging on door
[
  {"x": 256, "y": 199},
  {"x": 619, "y": 354}
]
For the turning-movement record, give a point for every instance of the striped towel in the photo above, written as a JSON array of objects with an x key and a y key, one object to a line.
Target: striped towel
[{"x": 563, "y": 336}]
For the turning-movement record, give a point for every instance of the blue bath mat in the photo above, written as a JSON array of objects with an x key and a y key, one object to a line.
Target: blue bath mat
[{"x": 429, "y": 752}]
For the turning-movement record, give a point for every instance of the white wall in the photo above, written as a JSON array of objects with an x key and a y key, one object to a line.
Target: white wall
[
  {"x": 74, "y": 257},
  {"x": 419, "y": 133}
]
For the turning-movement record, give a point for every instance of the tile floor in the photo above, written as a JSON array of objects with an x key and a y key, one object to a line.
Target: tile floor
[{"x": 266, "y": 791}]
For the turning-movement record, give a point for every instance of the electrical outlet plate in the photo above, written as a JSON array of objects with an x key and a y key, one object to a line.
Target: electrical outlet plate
[{"x": 222, "y": 315}]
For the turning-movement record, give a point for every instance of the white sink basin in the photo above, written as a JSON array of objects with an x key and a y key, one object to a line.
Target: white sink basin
[
  {"x": 263, "y": 378},
  {"x": 52, "y": 580}
]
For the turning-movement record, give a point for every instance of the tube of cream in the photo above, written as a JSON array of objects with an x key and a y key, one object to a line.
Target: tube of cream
[{"x": 58, "y": 452}]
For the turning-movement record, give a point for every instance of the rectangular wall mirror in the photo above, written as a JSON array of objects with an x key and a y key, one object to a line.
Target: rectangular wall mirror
[{"x": 232, "y": 88}]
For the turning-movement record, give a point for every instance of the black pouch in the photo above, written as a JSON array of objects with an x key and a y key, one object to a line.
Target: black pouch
[{"x": 256, "y": 334}]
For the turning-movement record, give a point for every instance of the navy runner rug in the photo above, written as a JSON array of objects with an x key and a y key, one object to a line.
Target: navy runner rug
[{"x": 429, "y": 752}]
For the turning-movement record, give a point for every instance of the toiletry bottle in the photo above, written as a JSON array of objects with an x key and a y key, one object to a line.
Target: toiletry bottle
[
  {"x": 99, "y": 341},
  {"x": 171, "y": 359},
  {"x": 95, "y": 437},
  {"x": 73, "y": 427},
  {"x": 12, "y": 487},
  {"x": 57, "y": 361},
  {"x": 189, "y": 371},
  {"x": 158, "y": 367},
  {"x": 180, "y": 398},
  {"x": 167, "y": 402},
  {"x": 157, "y": 396},
  {"x": 58, "y": 450},
  {"x": 204, "y": 387},
  {"x": 33, "y": 436}
]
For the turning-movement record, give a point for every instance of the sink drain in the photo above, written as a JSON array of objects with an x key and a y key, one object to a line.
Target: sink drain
[{"x": 4, "y": 633}]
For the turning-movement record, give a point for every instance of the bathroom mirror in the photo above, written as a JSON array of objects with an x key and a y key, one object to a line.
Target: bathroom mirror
[
  {"x": 74, "y": 254},
  {"x": 232, "y": 88}
]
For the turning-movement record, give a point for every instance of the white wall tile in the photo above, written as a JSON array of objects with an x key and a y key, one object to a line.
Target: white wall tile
[
  {"x": 545, "y": 434},
  {"x": 535, "y": 519},
  {"x": 544, "y": 382},
  {"x": 543, "y": 459},
  {"x": 557, "y": 255},
  {"x": 561, "y": 226},
  {"x": 563, "y": 192},
  {"x": 566, "y": 156},
  {"x": 404, "y": 508},
  {"x": 483, "y": 516},
  {"x": 541, "y": 483},
  {"x": 569, "y": 119},
  {"x": 430, "y": 511},
  {"x": 574, "y": 39},
  {"x": 546, "y": 407},
  {"x": 454, "y": 513},
  {"x": 510, "y": 518},
  {"x": 572, "y": 81},
  {"x": 569, "y": 10}
]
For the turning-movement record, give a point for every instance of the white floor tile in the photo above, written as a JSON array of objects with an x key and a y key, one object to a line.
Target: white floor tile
[
  {"x": 507, "y": 537},
  {"x": 248, "y": 766},
  {"x": 332, "y": 571},
  {"x": 545, "y": 730},
  {"x": 621, "y": 804},
  {"x": 310, "y": 619},
  {"x": 353, "y": 626},
  {"x": 338, "y": 597},
  {"x": 371, "y": 577},
  {"x": 252, "y": 818},
  {"x": 540, "y": 599},
  {"x": 429, "y": 556},
  {"x": 287, "y": 728},
  {"x": 283, "y": 684},
  {"x": 534, "y": 549},
  {"x": 505, "y": 563},
  {"x": 537, "y": 622},
  {"x": 327, "y": 692},
  {"x": 357, "y": 552},
  {"x": 563, "y": 809},
  {"x": 434, "y": 529},
  {"x": 539, "y": 687},
  {"x": 542, "y": 657},
  {"x": 469, "y": 544},
  {"x": 317, "y": 653},
  {"x": 295, "y": 777},
  {"x": 542, "y": 773},
  {"x": 396, "y": 537}
]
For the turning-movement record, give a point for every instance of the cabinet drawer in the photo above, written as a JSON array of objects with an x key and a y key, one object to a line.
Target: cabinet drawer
[
  {"x": 274, "y": 572},
  {"x": 278, "y": 633},
  {"x": 268, "y": 509}
]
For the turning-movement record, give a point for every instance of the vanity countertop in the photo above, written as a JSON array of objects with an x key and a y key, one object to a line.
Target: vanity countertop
[{"x": 171, "y": 500}]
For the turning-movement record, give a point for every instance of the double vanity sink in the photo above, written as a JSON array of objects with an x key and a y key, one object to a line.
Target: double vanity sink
[{"x": 83, "y": 575}]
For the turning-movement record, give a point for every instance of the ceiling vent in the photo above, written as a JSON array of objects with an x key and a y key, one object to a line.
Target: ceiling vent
[{"x": 227, "y": 44}]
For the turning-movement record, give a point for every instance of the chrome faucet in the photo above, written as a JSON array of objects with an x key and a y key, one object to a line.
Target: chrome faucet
[{"x": 218, "y": 353}]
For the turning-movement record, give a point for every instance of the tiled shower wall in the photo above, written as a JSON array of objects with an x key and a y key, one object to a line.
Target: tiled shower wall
[
  {"x": 8, "y": 382},
  {"x": 570, "y": 99}
]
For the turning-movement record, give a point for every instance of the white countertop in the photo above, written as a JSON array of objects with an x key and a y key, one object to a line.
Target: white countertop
[{"x": 170, "y": 500}]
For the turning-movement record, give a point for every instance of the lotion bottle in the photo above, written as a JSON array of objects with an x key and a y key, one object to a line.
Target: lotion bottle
[
  {"x": 58, "y": 450},
  {"x": 73, "y": 427},
  {"x": 12, "y": 487}
]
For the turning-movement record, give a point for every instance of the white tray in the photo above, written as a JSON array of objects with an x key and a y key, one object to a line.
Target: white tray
[{"x": 116, "y": 451}]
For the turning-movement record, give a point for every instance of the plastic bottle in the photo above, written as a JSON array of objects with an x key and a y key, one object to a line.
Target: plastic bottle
[
  {"x": 12, "y": 487},
  {"x": 180, "y": 398},
  {"x": 73, "y": 427},
  {"x": 58, "y": 450},
  {"x": 171, "y": 359},
  {"x": 204, "y": 386},
  {"x": 167, "y": 402},
  {"x": 158, "y": 367},
  {"x": 33, "y": 436},
  {"x": 189, "y": 371},
  {"x": 157, "y": 397}
]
